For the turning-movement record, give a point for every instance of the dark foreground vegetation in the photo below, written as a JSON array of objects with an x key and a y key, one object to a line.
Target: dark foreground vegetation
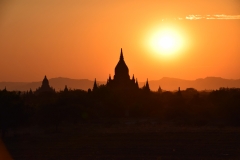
[
  {"x": 102, "y": 124},
  {"x": 126, "y": 141}
]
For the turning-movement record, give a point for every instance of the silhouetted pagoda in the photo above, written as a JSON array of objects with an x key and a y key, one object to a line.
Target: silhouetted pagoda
[
  {"x": 121, "y": 80},
  {"x": 45, "y": 87}
]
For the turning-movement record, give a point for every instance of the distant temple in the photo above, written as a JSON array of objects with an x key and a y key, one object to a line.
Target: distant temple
[
  {"x": 45, "y": 87},
  {"x": 121, "y": 80}
]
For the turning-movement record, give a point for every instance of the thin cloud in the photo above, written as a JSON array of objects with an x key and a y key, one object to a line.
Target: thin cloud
[{"x": 216, "y": 16}]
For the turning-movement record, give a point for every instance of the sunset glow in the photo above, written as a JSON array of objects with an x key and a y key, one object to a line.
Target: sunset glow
[
  {"x": 81, "y": 39},
  {"x": 120, "y": 79}
]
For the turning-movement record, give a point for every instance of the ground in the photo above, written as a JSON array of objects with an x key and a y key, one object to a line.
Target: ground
[{"x": 128, "y": 141}]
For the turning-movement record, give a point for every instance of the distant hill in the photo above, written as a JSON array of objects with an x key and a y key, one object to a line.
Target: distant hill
[
  {"x": 209, "y": 83},
  {"x": 57, "y": 83},
  {"x": 171, "y": 84}
]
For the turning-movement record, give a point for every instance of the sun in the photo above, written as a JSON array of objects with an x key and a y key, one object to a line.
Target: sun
[{"x": 165, "y": 42}]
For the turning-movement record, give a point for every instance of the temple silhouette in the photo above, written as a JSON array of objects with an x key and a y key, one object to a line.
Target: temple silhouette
[
  {"x": 121, "y": 82},
  {"x": 45, "y": 87}
]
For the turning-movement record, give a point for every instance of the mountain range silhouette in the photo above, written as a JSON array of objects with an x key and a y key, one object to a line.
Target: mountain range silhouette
[{"x": 166, "y": 83}]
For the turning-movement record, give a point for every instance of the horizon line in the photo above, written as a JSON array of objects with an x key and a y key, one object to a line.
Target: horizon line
[{"x": 106, "y": 81}]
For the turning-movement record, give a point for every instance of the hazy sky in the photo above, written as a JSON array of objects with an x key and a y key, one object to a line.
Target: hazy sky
[{"x": 82, "y": 38}]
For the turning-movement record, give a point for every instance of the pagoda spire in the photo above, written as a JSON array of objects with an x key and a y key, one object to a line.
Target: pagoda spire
[
  {"x": 121, "y": 55},
  {"x": 159, "y": 89},
  {"x": 66, "y": 88},
  {"x": 45, "y": 82},
  {"x": 30, "y": 91},
  {"x": 147, "y": 86},
  {"x": 137, "y": 83},
  {"x": 95, "y": 87}
]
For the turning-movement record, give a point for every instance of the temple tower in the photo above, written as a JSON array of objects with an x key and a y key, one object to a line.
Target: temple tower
[
  {"x": 45, "y": 87},
  {"x": 121, "y": 80},
  {"x": 121, "y": 70}
]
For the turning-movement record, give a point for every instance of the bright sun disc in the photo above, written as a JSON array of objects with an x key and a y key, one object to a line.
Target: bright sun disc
[{"x": 165, "y": 42}]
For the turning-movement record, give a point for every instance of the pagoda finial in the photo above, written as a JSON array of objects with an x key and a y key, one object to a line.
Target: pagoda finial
[
  {"x": 95, "y": 81},
  {"x": 147, "y": 86},
  {"x": 159, "y": 89},
  {"x": 95, "y": 87},
  {"x": 30, "y": 91},
  {"x": 121, "y": 55},
  {"x": 45, "y": 82},
  {"x": 66, "y": 88},
  {"x": 133, "y": 78},
  {"x": 137, "y": 83}
]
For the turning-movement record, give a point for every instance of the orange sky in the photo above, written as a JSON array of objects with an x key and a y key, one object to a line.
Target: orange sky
[{"x": 82, "y": 39}]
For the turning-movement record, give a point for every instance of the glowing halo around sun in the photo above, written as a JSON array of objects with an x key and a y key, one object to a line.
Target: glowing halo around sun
[{"x": 166, "y": 42}]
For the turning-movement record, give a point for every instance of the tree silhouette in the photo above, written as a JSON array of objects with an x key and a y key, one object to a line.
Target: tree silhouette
[{"x": 11, "y": 111}]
